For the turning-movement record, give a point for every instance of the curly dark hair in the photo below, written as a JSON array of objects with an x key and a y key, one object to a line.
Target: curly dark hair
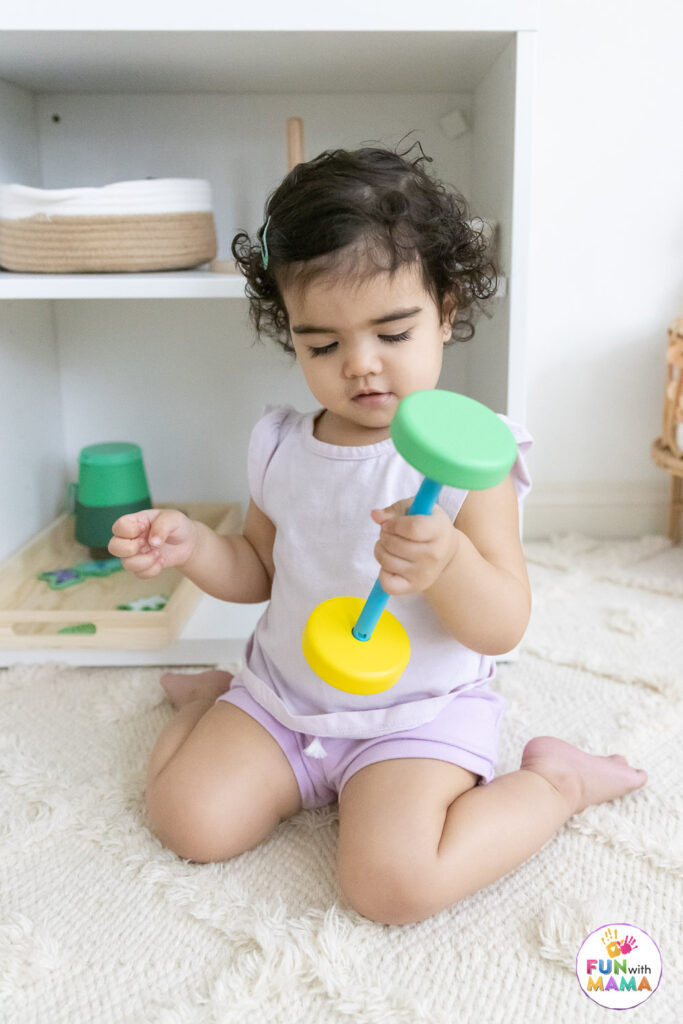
[{"x": 360, "y": 213}]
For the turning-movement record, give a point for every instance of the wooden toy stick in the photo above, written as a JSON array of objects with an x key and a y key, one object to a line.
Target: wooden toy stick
[{"x": 295, "y": 142}]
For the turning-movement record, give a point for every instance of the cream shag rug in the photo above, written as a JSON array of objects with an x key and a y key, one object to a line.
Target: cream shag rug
[{"x": 98, "y": 923}]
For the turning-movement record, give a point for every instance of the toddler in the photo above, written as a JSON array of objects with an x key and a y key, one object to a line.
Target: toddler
[{"x": 365, "y": 269}]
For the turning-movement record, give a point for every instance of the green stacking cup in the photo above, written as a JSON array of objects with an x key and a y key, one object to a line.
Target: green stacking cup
[{"x": 111, "y": 483}]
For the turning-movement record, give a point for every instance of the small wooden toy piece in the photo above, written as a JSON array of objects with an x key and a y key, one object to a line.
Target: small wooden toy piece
[
  {"x": 667, "y": 451},
  {"x": 295, "y": 142},
  {"x": 358, "y": 647}
]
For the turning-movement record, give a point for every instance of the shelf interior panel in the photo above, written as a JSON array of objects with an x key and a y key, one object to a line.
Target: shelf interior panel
[{"x": 249, "y": 62}]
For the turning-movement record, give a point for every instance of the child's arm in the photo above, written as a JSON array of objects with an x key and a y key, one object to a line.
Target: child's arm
[
  {"x": 232, "y": 567},
  {"x": 472, "y": 572},
  {"x": 483, "y": 595}
]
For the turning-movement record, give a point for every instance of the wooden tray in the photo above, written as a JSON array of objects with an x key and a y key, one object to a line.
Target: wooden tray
[{"x": 31, "y": 614}]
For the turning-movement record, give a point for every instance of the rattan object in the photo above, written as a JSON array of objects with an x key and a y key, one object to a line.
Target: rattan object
[
  {"x": 131, "y": 226},
  {"x": 666, "y": 450}
]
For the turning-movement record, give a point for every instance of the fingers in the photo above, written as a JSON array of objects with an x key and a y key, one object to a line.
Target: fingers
[
  {"x": 144, "y": 566},
  {"x": 395, "y": 571},
  {"x": 139, "y": 537},
  {"x": 399, "y": 547},
  {"x": 391, "y": 514},
  {"x": 152, "y": 540},
  {"x": 399, "y": 508},
  {"x": 412, "y": 550},
  {"x": 394, "y": 564},
  {"x": 417, "y": 528},
  {"x": 164, "y": 525},
  {"x": 396, "y": 548},
  {"x": 135, "y": 523},
  {"x": 130, "y": 535},
  {"x": 140, "y": 531},
  {"x": 136, "y": 556},
  {"x": 395, "y": 584}
]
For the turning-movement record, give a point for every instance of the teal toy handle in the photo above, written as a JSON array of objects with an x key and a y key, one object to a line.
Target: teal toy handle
[{"x": 423, "y": 503}]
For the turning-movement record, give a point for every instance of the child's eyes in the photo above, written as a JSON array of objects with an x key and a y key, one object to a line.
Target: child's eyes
[
  {"x": 323, "y": 350},
  {"x": 395, "y": 337},
  {"x": 391, "y": 338}
]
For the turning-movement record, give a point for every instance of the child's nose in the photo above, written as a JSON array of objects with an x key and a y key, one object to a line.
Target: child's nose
[{"x": 361, "y": 360}]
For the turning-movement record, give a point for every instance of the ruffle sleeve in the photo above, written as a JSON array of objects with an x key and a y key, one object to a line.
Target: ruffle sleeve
[
  {"x": 451, "y": 499},
  {"x": 520, "y": 471},
  {"x": 265, "y": 438}
]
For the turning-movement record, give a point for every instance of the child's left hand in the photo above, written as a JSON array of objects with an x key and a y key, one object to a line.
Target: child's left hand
[{"x": 412, "y": 551}]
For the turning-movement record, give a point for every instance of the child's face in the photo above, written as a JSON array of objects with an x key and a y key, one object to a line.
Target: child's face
[{"x": 349, "y": 355}]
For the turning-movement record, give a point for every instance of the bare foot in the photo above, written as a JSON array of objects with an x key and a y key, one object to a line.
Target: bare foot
[
  {"x": 181, "y": 687},
  {"x": 585, "y": 778}
]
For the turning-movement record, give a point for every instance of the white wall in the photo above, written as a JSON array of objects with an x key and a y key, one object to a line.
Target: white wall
[
  {"x": 31, "y": 436},
  {"x": 607, "y": 263},
  {"x": 493, "y": 155},
  {"x": 229, "y": 140}
]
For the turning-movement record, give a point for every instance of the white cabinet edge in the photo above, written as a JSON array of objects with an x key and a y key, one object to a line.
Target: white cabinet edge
[
  {"x": 304, "y": 15},
  {"x": 187, "y": 284}
]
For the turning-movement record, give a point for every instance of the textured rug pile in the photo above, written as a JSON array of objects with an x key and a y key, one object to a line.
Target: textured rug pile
[{"x": 98, "y": 923}]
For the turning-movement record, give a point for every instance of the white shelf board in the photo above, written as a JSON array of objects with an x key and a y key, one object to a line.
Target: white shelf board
[
  {"x": 215, "y": 633},
  {"x": 182, "y": 284},
  {"x": 271, "y": 15},
  {"x": 249, "y": 62}
]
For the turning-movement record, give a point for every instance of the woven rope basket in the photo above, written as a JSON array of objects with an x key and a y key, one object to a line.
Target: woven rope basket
[{"x": 68, "y": 245}]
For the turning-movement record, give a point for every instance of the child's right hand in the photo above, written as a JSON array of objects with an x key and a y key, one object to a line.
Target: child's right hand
[{"x": 152, "y": 540}]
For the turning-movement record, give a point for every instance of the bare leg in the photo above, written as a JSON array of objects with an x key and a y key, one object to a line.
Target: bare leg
[
  {"x": 174, "y": 735},
  {"x": 218, "y": 783},
  {"x": 492, "y": 829},
  {"x": 416, "y": 835},
  {"x": 181, "y": 687},
  {"x": 192, "y": 694}
]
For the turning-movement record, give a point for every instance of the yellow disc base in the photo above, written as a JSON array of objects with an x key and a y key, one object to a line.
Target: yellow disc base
[{"x": 356, "y": 666}]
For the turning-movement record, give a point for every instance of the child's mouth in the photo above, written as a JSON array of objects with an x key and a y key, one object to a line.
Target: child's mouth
[{"x": 375, "y": 398}]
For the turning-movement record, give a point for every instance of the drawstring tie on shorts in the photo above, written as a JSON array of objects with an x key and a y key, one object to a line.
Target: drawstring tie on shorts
[{"x": 315, "y": 749}]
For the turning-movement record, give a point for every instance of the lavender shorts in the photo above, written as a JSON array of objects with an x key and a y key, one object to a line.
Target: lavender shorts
[{"x": 464, "y": 733}]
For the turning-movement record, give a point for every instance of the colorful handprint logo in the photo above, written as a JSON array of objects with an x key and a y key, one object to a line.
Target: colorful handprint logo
[
  {"x": 616, "y": 946},
  {"x": 619, "y": 965}
]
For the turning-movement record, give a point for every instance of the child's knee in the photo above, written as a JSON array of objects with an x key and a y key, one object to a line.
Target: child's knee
[
  {"x": 389, "y": 892},
  {"x": 180, "y": 825},
  {"x": 389, "y": 905},
  {"x": 201, "y": 824}
]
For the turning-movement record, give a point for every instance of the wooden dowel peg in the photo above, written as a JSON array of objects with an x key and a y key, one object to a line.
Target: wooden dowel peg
[{"x": 295, "y": 142}]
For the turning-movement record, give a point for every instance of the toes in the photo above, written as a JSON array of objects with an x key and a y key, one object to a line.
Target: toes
[{"x": 632, "y": 772}]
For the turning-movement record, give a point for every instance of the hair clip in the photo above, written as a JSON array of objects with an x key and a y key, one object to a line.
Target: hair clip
[{"x": 264, "y": 246}]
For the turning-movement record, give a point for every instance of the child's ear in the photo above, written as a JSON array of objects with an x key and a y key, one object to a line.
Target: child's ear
[{"x": 448, "y": 311}]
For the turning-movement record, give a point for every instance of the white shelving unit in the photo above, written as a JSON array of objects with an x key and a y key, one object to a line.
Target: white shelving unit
[
  {"x": 186, "y": 284},
  {"x": 180, "y": 284},
  {"x": 206, "y": 93}
]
